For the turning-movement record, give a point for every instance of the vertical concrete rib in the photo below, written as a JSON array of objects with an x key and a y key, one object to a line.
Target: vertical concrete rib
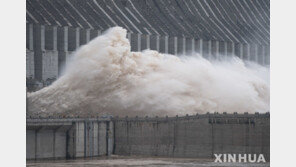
[
  {"x": 166, "y": 44},
  {"x": 217, "y": 49},
  {"x": 139, "y": 42},
  {"x": 232, "y": 49},
  {"x": 210, "y": 49},
  {"x": 65, "y": 39},
  {"x": 39, "y": 37},
  {"x": 225, "y": 49},
  {"x": 184, "y": 45},
  {"x": 77, "y": 37},
  {"x": 248, "y": 52},
  {"x": 176, "y": 45},
  {"x": 256, "y": 54},
  {"x": 42, "y": 43},
  {"x": 148, "y": 41},
  {"x": 201, "y": 47},
  {"x": 31, "y": 37},
  {"x": 55, "y": 38},
  {"x": 193, "y": 45},
  {"x": 263, "y": 55},
  {"x": 241, "y": 51},
  {"x": 39, "y": 49},
  {"x": 157, "y": 43},
  {"x": 87, "y": 35}
]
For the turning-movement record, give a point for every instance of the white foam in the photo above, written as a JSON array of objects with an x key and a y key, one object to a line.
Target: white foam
[{"x": 105, "y": 77}]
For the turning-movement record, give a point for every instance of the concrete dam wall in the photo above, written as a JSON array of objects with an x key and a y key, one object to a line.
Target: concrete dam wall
[
  {"x": 57, "y": 28},
  {"x": 199, "y": 136},
  {"x": 49, "y": 49},
  {"x": 68, "y": 138}
]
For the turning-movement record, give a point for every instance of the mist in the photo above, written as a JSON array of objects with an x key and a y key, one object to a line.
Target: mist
[{"x": 105, "y": 78}]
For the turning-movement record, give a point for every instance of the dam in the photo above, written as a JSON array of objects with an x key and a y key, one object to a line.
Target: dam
[
  {"x": 54, "y": 30},
  {"x": 197, "y": 136},
  {"x": 214, "y": 29}
]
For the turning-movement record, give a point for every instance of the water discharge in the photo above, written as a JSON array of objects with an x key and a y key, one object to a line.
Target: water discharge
[{"x": 105, "y": 77}]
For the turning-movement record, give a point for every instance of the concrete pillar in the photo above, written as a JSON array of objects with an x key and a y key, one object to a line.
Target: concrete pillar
[
  {"x": 110, "y": 137},
  {"x": 225, "y": 49},
  {"x": 79, "y": 139},
  {"x": 83, "y": 37},
  {"x": 210, "y": 49},
  {"x": 65, "y": 39},
  {"x": 184, "y": 46},
  {"x": 49, "y": 65},
  {"x": 102, "y": 138},
  {"x": 248, "y": 52},
  {"x": 139, "y": 42},
  {"x": 201, "y": 47},
  {"x": 77, "y": 37},
  {"x": 241, "y": 51},
  {"x": 55, "y": 38},
  {"x": 157, "y": 43},
  {"x": 95, "y": 138},
  {"x": 30, "y": 65},
  {"x": 267, "y": 53},
  {"x": 87, "y": 35},
  {"x": 193, "y": 45},
  {"x": 31, "y": 37},
  {"x": 188, "y": 46},
  {"x": 148, "y": 41},
  {"x": 73, "y": 39},
  {"x": 89, "y": 138},
  {"x": 39, "y": 37},
  {"x": 217, "y": 49},
  {"x": 263, "y": 55},
  {"x": 39, "y": 50},
  {"x": 256, "y": 54},
  {"x": 62, "y": 47},
  {"x": 143, "y": 39},
  {"x": 62, "y": 39},
  {"x": 166, "y": 44},
  {"x": 176, "y": 45},
  {"x": 232, "y": 49},
  {"x": 49, "y": 38}
]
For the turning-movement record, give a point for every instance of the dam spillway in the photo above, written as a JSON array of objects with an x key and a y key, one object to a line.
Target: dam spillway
[
  {"x": 55, "y": 29},
  {"x": 211, "y": 28}
]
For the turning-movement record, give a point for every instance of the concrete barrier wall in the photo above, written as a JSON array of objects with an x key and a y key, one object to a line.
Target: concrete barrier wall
[
  {"x": 49, "y": 48},
  {"x": 68, "y": 138},
  {"x": 199, "y": 136}
]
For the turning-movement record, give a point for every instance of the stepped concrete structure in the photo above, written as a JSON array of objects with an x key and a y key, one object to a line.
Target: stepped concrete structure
[{"x": 209, "y": 27}]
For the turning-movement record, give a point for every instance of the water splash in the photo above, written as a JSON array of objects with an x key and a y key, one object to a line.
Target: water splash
[{"x": 105, "y": 77}]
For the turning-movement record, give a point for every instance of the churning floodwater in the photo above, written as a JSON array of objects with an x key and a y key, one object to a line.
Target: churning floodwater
[{"x": 106, "y": 78}]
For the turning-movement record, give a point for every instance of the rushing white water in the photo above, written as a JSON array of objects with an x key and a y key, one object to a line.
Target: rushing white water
[{"x": 105, "y": 77}]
